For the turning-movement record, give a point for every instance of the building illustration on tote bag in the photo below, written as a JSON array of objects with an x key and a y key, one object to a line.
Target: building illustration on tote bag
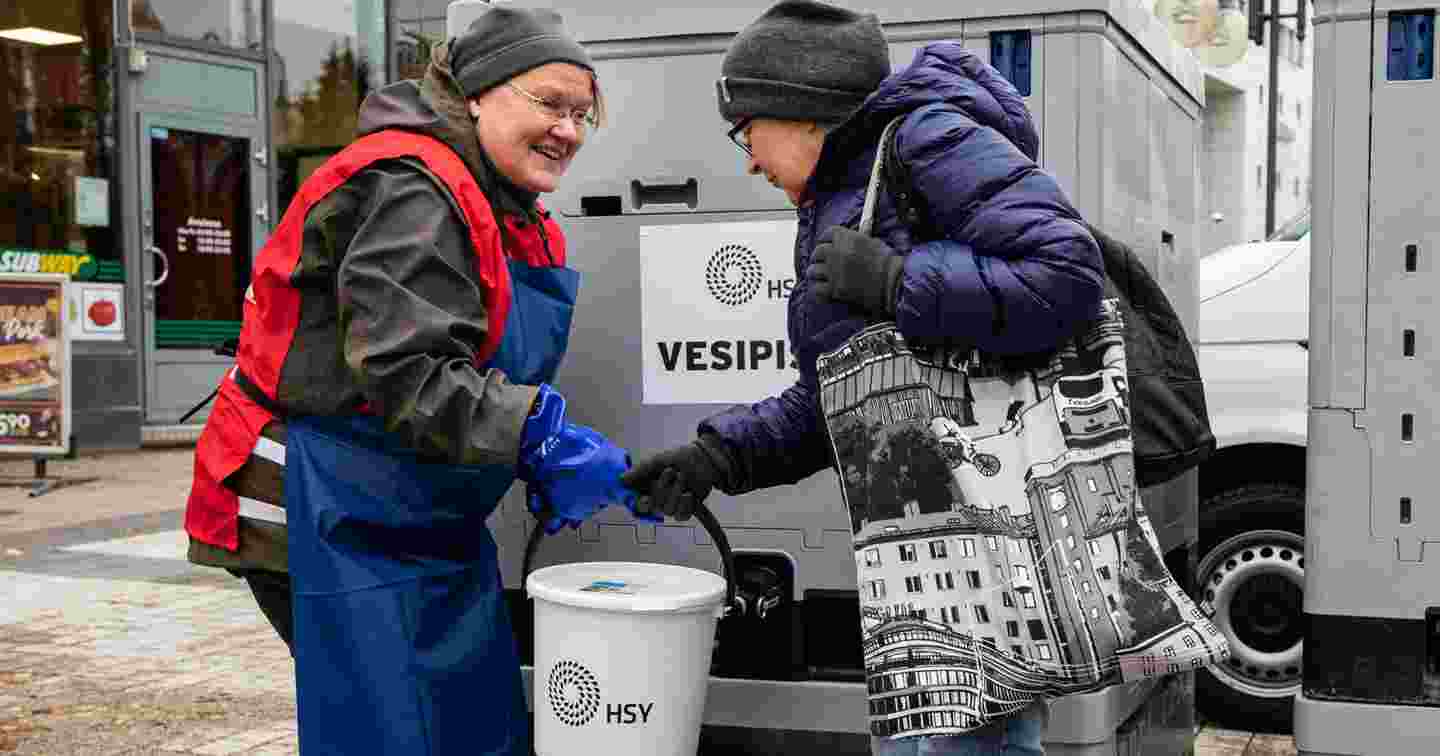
[{"x": 1001, "y": 549}]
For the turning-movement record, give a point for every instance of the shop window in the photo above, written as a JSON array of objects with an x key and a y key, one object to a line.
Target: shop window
[
  {"x": 237, "y": 24},
  {"x": 325, "y": 58},
  {"x": 57, "y": 137}
]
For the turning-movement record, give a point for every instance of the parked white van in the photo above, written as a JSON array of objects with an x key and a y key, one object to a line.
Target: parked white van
[{"x": 1253, "y": 337}]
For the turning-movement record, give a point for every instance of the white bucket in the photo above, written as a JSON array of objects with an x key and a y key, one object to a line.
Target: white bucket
[{"x": 622, "y": 657}]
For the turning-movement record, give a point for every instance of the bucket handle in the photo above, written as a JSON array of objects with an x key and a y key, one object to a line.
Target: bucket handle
[{"x": 706, "y": 518}]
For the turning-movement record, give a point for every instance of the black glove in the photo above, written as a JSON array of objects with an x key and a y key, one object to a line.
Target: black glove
[
  {"x": 860, "y": 270},
  {"x": 674, "y": 481}
]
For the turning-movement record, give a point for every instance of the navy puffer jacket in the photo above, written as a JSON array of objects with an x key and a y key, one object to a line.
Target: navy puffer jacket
[{"x": 1016, "y": 272}]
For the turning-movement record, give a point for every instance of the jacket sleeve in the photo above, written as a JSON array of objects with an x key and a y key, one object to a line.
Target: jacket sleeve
[
  {"x": 412, "y": 318},
  {"x": 777, "y": 441},
  {"x": 1017, "y": 271}
]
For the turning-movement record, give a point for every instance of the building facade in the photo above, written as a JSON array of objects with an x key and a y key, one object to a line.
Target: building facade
[
  {"x": 154, "y": 146},
  {"x": 1233, "y": 150}
]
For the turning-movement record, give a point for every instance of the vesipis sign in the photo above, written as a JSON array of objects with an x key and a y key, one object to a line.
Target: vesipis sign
[
  {"x": 714, "y": 300},
  {"x": 72, "y": 264}
]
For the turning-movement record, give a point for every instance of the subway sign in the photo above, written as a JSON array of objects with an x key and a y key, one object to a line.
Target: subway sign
[{"x": 77, "y": 265}]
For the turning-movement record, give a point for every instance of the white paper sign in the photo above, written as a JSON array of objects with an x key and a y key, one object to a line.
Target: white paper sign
[
  {"x": 92, "y": 201},
  {"x": 97, "y": 311},
  {"x": 714, "y": 299}
]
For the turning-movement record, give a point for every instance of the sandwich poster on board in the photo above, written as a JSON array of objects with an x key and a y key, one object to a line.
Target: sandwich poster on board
[{"x": 34, "y": 365}]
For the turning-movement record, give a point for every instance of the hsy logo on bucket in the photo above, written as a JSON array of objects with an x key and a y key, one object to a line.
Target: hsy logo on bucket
[{"x": 574, "y": 694}]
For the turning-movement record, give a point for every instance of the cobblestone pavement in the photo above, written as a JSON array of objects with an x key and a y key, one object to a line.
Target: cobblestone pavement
[
  {"x": 110, "y": 643},
  {"x": 155, "y": 657}
]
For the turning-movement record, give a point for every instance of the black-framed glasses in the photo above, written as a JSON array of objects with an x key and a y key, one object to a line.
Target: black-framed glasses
[{"x": 741, "y": 137}]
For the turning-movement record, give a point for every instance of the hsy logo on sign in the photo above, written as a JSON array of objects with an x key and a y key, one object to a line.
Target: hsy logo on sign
[
  {"x": 714, "y": 303},
  {"x": 574, "y": 695}
]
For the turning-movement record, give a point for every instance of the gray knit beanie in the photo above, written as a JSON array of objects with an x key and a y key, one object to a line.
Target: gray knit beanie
[
  {"x": 803, "y": 61},
  {"x": 506, "y": 41}
]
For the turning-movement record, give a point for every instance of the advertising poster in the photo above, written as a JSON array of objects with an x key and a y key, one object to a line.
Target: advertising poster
[
  {"x": 714, "y": 299},
  {"x": 34, "y": 365},
  {"x": 97, "y": 311}
]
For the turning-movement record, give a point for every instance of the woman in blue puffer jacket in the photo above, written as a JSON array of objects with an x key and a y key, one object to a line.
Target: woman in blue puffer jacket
[{"x": 807, "y": 90}]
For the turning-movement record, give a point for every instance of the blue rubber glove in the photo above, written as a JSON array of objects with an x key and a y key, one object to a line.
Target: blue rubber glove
[{"x": 571, "y": 471}]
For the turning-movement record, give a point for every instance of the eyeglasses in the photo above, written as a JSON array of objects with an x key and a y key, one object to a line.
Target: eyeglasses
[
  {"x": 741, "y": 137},
  {"x": 582, "y": 118}
]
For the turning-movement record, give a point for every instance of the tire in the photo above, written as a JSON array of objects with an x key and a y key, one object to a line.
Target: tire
[{"x": 1250, "y": 582}]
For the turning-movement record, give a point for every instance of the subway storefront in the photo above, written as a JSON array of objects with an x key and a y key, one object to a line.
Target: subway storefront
[{"x": 152, "y": 147}]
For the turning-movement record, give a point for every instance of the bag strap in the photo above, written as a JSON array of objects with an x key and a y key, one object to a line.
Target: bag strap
[
  {"x": 910, "y": 206},
  {"x": 872, "y": 193}
]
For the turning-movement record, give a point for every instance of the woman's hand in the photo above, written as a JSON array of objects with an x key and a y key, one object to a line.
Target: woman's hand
[
  {"x": 860, "y": 270},
  {"x": 579, "y": 476},
  {"x": 675, "y": 481}
]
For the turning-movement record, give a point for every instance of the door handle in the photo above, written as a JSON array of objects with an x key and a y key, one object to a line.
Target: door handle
[
  {"x": 164, "y": 269},
  {"x": 263, "y": 213}
]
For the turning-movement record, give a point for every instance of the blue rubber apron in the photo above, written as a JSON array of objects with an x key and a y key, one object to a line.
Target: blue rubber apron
[{"x": 403, "y": 643}]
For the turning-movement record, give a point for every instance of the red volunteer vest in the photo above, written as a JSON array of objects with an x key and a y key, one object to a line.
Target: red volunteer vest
[{"x": 272, "y": 311}]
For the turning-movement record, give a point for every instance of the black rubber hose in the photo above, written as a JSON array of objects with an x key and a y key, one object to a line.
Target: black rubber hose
[{"x": 702, "y": 513}]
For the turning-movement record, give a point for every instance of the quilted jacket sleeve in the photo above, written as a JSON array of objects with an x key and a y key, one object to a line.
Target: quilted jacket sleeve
[
  {"x": 774, "y": 442},
  {"x": 1017, "y": 271}
]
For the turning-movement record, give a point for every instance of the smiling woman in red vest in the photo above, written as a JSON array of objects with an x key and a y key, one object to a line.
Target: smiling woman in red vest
[{"x": 401, "y": 330}]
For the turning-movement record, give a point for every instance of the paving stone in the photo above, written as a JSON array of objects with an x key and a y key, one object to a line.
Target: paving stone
[
  {"x": 1271, "y": 745},
  {"x": 1221, "y": 743},
  {"x": 198, "y": 735},
  {"x": 240, "y": 743}
]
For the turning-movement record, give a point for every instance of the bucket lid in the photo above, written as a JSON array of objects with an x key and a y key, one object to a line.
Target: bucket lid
[{"x": 628, "y": 587}]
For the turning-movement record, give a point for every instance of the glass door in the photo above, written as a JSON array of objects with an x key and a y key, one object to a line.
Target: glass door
[{"x": 205, "y": 214}]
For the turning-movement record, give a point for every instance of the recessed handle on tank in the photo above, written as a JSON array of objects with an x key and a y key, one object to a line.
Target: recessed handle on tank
[
  {"x": 706, "y": 518},
  {"x": 664, "y": 191}
]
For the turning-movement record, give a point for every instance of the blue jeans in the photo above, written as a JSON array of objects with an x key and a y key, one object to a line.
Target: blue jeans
[{"x": 1017, "y": 735}]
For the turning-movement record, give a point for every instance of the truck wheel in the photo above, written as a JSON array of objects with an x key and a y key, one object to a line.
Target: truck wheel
[{"x": 1251, "y": 582}]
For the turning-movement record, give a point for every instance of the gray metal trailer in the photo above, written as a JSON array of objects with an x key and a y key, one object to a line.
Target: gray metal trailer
[
  {"x": 660, "y": 193},
  {"x": 1372, "y": 588}
]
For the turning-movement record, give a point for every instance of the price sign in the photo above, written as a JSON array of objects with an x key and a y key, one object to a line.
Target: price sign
[{"x": 34, "y": 365}]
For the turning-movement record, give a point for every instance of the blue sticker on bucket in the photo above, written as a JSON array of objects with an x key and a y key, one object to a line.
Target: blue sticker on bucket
[{"x": 607, "y": 586}]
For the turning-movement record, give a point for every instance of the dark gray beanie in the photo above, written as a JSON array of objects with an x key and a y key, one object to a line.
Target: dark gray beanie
[
  {"x": 803, "y": 61},
  {"x": 506, "y": 41}
]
